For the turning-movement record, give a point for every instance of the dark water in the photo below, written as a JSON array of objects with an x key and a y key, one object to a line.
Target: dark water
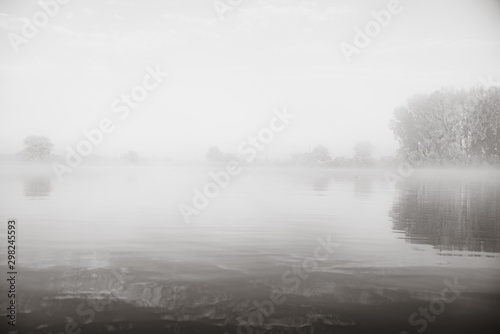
[{"x": 108, "y": 251}]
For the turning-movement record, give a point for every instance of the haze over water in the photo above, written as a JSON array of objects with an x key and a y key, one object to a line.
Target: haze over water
[
  {"x": 249, "y": 167},
  {"x": 392, "y": 246}
]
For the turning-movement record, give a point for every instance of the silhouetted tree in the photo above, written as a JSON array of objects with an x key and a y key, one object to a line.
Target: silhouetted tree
[
  {"x": 321, "y": 154},
  {"x": 131, "y": 156},
  {"x": 36, "y": 148},
  {"x": 363, "y": 153},
  {"x": 342, "y": 162},
  {"x": 214, "y": 154}
]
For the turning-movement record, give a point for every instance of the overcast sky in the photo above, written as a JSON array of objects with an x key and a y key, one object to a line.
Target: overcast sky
[{"x": 227, "y": 75}]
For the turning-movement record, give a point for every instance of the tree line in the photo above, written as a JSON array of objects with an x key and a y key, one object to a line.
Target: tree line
[
  {"x": 449, "y": 127},
  {"x": 318, "y": 156},
  {"x": 446, "y": 127}
]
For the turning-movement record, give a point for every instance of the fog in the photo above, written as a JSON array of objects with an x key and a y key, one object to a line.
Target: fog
[
  {"x": 250, "y": 166},
  {"x": 226, "y": 75}
]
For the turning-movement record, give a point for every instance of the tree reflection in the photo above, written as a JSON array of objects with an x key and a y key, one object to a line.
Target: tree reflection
[
  {"x": 363, "y": 185},
  {"x": 37, "y": 185},
  {"x": 460, "y": 215},
  {"x": 320, "y": 183}
]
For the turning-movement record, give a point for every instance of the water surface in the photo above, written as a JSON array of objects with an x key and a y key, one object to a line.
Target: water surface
[{"x": 115, "y": 233}]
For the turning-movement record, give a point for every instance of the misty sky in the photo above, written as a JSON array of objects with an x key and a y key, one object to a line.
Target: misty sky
[{"x": 227, "y": 75}]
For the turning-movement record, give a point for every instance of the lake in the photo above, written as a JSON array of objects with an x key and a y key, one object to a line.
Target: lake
[{"x": 279, "y": 250}]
